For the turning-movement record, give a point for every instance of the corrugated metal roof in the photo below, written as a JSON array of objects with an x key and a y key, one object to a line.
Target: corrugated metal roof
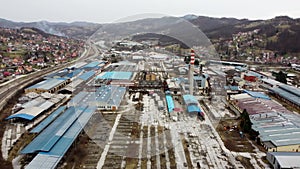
[
  {"x": 73, "y": 73},
  {"x": 48, "y": 120},
  {"x": 286, "y": 139},
  {"x": 286, "y": 95},
  {"x": 43, "y": 161},
  {"x": 59, "y": 74},
  {"x": 115, "y": 75},
  {"x": 190, "y": 100},
  {"x": 192, "y": 103},
  {"x": 47, "y": 139},
  {"x": 92, "y": 64},
  {"x": 193, "y": 109},
  {"x": 48, "y": 84},
  {"x": 271, "y": 81},
  {"x": 85, "y": 76},
  {"x": 22, "y": 116},
  {"x": 35, "y": 102},
  {"x": 125, "y": 68},
  {"x": 291, "y": 89},
  {"x": 170, "y": 103},
  {"x": 279, "y": 128},
  {"x": 76, "y": 100},
  {"x": 233, "y": 88},
  {"x": 110, "y": 94},
  {"x": 28, "y": 113},
  {"x": 287, "y": 159},
  {"x": 50, "y": 159},
  {"x": 257, "y": 94},
  {"x": 241, "y": 96},
  {"x": 46, "y": 105}
]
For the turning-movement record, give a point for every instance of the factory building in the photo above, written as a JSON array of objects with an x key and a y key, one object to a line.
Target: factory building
[
  {"x": 170, "y": 102},
  {"x": 278, "y": 132},
  {"x": 66, "y": 73},
  {"x": 115, "y": 75},
  {"x": 55, "y": 138},
  {"x": 278, "y": 128},
  {"x": 281, "y": 160},
  {"x": 109, "y": 97},
  {"x": 192, "y": 105},
  {"x": 174, "y": 86},
  {"x": 49, "y": 85},
  {"x": 286, "y": 93},
  {"x": 202, "y": 83},
  {"x": 34, "y": 108},
  {"x": 92, "y": 65}
]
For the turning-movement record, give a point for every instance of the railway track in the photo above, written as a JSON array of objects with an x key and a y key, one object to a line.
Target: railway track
[{"x": 7, "y": 91}]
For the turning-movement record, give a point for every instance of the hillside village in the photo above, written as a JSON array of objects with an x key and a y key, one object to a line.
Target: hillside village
[{"x": 25, "y": 50}]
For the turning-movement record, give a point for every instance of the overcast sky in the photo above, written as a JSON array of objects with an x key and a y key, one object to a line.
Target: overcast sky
[{"x": 105, "y": 11}]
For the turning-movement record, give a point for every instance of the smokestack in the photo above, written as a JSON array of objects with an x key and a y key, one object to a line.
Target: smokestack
[{"x": 191, "y": 78}]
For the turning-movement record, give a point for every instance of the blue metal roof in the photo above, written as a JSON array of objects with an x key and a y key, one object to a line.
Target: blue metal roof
[
  {"x": 192, "y": 103},
  {"x": 31, "y": 112},
  {"x": 240, "y": 68},
  {"x": 286, "y": 95},
  {"x": 170, "y": 103},
  {"x": 233, "y": 88},
  {"x": 85, "y": 76},
  {"x": 202, "y": 78},
  {"x": 48, "y": 138},
  {"x": 190, "y": 99},
  {"x": 73, "y": 73},
  {"x": 92, "y": 64},
  {"x": 76, "y": 100},
  {"x": 68, "y": 138},
  {"x": 257, "y": 95},
  {"x": 110, "y": 94},
  {"x": 291, "y": 89},
  {"x": 48, "y": 84},
  {"x": 48, "y": 120},
  {"x": 116, "y": 75},
  {"x": 193, "y": 108},
  {"x": 22, "y": 116},
  {"x": 51, "y": 159},
  {"x": 57, "y": 74}
]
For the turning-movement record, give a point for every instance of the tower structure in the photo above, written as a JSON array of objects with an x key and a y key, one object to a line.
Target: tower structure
[{"x": 191, "y": 73}]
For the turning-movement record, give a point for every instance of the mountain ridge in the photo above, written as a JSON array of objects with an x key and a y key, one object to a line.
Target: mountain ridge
[{"x": 280, "y": 32}]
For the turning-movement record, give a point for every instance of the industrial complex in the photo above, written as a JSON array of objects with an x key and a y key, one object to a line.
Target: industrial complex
[{"x": 144, "y": 111}]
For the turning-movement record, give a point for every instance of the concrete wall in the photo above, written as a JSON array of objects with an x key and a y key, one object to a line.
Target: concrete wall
[{"x": 289, "y": 148}]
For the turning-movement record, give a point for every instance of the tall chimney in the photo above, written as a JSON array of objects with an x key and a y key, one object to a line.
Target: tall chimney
[{"x": 191, "y": 78}]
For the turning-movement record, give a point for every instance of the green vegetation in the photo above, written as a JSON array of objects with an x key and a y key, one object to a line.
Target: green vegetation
[
  {"x": 281, "y": 77},
  {"x": 245, "y": 122}
]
